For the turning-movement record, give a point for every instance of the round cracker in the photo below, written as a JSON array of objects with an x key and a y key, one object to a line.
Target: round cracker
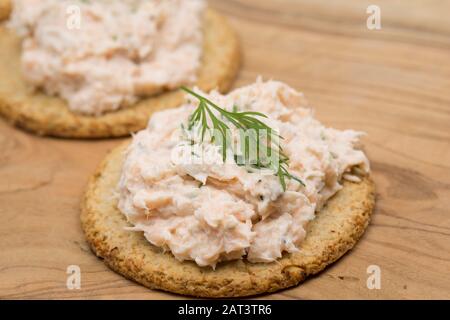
[
  {"x": 333, "y": 232},
  {"x": 46, "y": 115}
]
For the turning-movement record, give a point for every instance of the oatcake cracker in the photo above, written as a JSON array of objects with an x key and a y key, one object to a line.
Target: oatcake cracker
[
  {"x": 334, "y": 231},
  {"x": 46, "y": 115}
]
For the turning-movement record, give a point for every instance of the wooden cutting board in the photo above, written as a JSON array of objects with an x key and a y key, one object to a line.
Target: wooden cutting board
[{"x": 393, "y": 83}]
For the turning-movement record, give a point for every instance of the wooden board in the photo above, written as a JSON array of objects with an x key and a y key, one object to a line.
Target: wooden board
[{"x": 393, "y": 83}]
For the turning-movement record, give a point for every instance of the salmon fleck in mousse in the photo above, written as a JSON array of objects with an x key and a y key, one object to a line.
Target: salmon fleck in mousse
[
  {"x": 112, "y": 53},
  {"x": 215, "y": 208}
]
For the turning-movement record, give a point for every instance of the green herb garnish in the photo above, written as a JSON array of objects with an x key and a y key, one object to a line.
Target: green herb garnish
[{"x": 244, "y": 121}]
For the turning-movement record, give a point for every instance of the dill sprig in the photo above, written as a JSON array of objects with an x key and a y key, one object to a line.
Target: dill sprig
[{"x": 246, "y": 120}]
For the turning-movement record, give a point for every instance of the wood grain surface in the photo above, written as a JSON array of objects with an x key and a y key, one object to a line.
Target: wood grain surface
[{"x": 393, "y": 83}]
